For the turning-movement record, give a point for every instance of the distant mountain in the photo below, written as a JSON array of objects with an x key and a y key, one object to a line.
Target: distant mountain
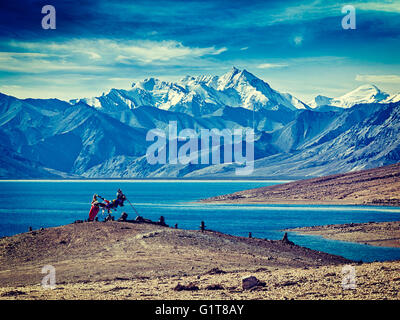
[
  {"x": 198, "y": 96},
  {"x": 14, "y": 166},
  {"x": 363, "y": 94},
  {"x": 392, "y": 98},
  {"x": 106, "y": 136},
  {"x": 66, "y": 138}
]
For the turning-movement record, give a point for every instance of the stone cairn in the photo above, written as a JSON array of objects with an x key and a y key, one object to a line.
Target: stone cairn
[{"x": 202, "y": 226}]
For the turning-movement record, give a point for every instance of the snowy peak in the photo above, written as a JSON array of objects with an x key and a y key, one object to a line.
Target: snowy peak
[
  {"x": 147, "y": 84},
  {"x": 236, "y": 77},
  {"x": 367, "y": 93},
  {"x": 393, "y": 98},
  {"x": 320, "y": 101},
  {"x": 255, "y": 94},
  {"x": 202, "y": 80},
  {"x": 199, "y": 95},
  {"x": 230, "y": 75},
  {"x": 364, "y": 94}
]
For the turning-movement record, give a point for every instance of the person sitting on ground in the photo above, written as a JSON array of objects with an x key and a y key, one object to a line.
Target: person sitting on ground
[
  {"x": 120, "y": 198},
  {"x": 94, "y": 208},
  {"x": 114, "y": 204}
]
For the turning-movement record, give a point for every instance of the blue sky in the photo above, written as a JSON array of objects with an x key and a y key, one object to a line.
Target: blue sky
[{"x": 296, "y": 46}]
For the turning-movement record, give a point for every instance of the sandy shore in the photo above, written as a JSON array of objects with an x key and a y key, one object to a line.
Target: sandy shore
[
  {"x": 379, "y": 186},
  {"x": 382, "y": 234}
]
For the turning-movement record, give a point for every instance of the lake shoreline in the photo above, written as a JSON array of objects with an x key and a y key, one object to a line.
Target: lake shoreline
[
  {"x": 379, "y": 186},
  {"x": 380, "y": 234},
  {"x": 294, "y": 202}
]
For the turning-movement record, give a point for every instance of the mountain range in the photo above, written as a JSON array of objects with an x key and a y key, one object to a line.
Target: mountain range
[{"x": 105, "y": 136}]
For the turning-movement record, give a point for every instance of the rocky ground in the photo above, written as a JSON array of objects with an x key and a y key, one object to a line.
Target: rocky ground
[
  {"x": 379, "y": 186},
  {"x": 382, "y": 234},
  {"x": 118, "y": 260}
]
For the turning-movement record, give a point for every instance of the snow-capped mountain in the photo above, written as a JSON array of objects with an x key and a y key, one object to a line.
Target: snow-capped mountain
[
  {"x": 392, "y": 98},
  {"x": 105, "y": 136},
  {"x": 364, "y": 94},
  {"x": 320, "y": 101},
  {"x": 199, "y": 95}
]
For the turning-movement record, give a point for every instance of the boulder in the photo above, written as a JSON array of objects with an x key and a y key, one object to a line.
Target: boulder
[
  {"x": 190, "y": 287},
  {"x": 214, "y": 287},
  {"x": 251, "y": 282}
]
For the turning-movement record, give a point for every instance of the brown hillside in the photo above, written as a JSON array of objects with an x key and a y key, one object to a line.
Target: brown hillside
[
  {"x": 119, "y": 250},
  {"x": 379, "y": 186}
]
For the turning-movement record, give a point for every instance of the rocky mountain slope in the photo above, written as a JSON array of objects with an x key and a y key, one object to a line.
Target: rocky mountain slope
[{"x": 105, "y": 136}]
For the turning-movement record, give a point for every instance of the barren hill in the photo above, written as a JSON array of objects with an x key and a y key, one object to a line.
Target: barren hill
[
  {"x": 120, "y": 260},
  {"x": 119, "y": 250},
  {"x": 379, "y": 186}
]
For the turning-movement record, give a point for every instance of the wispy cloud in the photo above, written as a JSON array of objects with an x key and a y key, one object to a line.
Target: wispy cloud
[
  {"x": 103, "y": 52},
  {"x": 380, "y": 6},
  {"x": 385, "y": 78},
  {"x": 168, "y": 39},
  {"x": 271, "y": 65},
  {"x": 320, "y": 9},
  {"x": 152, "y": 52},
  {"x": 40, "y": 63},
  {"x": 9, "y": 87},
  {"x": 119, "y": 79}
]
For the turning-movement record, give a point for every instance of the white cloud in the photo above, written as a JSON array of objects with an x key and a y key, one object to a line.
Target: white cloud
[
  {"x": 382, "y": 6},
  {"x": 320, "y": 9},
  {"x": 149, "y": 52},
  {"x": 9, "y": 87},
  {"x": 40, "y": 63},
  {"x": 386, "y": 78},
  {"x": 119, "y": 79},
  {"x": 99, "y": 53},
  {"x": 271, "y": 65},
  {"x": 219, "y": 51},
  {"x": 93, "y": 55}
]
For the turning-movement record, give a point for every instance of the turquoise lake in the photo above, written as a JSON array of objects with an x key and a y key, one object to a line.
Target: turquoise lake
[{"x": 53, "y": 203}]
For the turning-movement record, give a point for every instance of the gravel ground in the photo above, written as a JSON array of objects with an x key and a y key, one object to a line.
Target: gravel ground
[{"x": 374, "y": 281}]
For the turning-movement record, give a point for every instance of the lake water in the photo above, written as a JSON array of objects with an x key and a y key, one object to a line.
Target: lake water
[{"x": 53, "y": 203}]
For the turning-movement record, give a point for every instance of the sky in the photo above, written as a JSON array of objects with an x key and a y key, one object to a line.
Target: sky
[{"x": 298, "y": 47}]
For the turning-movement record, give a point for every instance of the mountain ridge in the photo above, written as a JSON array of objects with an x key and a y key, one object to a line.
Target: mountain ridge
[
  {"x": 107, "y": 137},
  {"x": 199, "y": 95}
]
